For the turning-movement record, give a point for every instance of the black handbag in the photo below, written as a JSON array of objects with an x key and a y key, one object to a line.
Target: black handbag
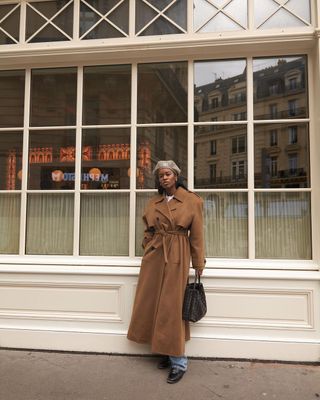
[{"x": 194, "y": 302}]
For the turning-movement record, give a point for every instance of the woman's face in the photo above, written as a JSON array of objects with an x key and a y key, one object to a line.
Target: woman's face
[{"x": 167, "y": 179}]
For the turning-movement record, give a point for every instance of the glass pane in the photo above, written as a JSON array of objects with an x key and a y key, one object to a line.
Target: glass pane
[
  {"x": 221, "y": 156},
  {"x": 9, "y": 223},
  {"x": 105, "y": 159},
  {"x": 52, "y": 11},
  {"x": 10, "y": 160},
  {"x": 162, "y": 92},
  {"x": 283, "y": 225},
  {"x": 281, "y": 156},
  {"x": 49, "y": 224},
  {"x": 280, "y": 87},
  {"x": 52, "y": 160},
  {"x": 220, "y": 16},
  {"x": 10, "y": 22},
  {"x": 104, "y": 224},
  {"x": 292, "y": 13},
  {"x": 220, "y": 92},
  {"x": 53, "y": 97},
  {"x": 145, "y": 13},
  {"x": 4, "y": 39},
  {"x": 160, "y": 143},
  {"x": 107, "y": 95},
  {"x": 119, "y": 17},
  {"x": 141, "y": 202},
  {"x": 226, "y": 224},
  {"x": 11, "y": 98}
]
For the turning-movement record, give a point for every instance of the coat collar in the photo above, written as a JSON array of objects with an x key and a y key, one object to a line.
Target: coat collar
[{"x": 180, "y": 195}]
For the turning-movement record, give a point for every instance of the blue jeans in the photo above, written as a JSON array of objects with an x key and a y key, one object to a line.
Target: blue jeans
[{"x": 179, "y": 362}]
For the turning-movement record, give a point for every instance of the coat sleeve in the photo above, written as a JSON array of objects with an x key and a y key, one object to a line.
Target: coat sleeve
[
  {"x": 148, "y": 233},
  {"x": 197, "y": 237}
]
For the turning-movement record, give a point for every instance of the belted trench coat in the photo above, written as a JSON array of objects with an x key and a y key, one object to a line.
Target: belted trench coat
[{"x": 173, "y": 236}]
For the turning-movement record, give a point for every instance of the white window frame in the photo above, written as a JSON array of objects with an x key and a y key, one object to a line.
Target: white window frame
[{"x": 299, "y": 42}]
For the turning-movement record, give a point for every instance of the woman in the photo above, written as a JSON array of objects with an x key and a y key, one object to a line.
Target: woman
[{"x": 173, "y": 234}]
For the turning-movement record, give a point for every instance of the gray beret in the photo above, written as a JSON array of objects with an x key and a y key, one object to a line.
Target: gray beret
[{"x": 167, "y": 164}]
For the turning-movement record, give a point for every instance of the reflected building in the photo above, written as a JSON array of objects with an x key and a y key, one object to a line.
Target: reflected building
[{"x": 281, "y": 154}]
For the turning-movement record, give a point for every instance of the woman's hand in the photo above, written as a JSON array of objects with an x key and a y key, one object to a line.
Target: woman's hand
[{"x": 199, "y": 272}]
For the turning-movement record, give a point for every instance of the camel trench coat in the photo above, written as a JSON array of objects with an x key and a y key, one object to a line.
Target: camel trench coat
[{"x": 173, "y": 235}]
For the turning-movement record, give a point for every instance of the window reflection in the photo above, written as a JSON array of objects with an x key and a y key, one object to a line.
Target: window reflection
[
  {"x": 161, "y": 143},
  {"x": 10, "y": 160},
  {"x": 107, "y": 95},
  {"x": 220, "y": 92},
  {"x": 52, "y": 160},
  {"x": 9, "y": 23},
  {"x": 281, "y": 156},
  {"x": 11, "y": 98},
  {"x": 53, "y": 97},
  {"x": 105, "y": 159},
  {"x": 162, "y": 92},
  {"x": 280, "y": 88},
  {"x": 221, "y": 156}
]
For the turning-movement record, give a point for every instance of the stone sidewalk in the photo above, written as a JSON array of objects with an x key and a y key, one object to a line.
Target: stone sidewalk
[{"x": 35, "y": 375}]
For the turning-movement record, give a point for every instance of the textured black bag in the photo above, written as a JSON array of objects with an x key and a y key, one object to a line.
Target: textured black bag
[{"x": 194, "y": 303}]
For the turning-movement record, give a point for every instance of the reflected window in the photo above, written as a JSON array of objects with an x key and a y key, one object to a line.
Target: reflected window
[
  {"x": 105, "y": 159},
  {"x": 107, "y": 95},
  {"x": 162, "y": 92},
  {"x": 53, "y": 97},
  {"x": 220, "y": 90},
  {"x": 272, "y": 77},
  {"x": 273, "y": 137},
  {"x": 271, "y": 162},
  {"x": 226, "y": 146}
]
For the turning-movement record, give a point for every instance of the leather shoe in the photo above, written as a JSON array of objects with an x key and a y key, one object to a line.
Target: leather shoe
[
  {"x": 164, "y": 362},
  {"x": 175, "y": 375}
]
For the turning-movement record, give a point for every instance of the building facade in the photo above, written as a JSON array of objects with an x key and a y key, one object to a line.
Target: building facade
[{"x": 92, "y": 94}]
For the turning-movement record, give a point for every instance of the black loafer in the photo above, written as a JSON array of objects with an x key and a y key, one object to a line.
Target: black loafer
[
  {"x": 164, "y": 362},
  {"x": 175, "y": 375}
]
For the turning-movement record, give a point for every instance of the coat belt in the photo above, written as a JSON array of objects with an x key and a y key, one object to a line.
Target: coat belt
[{"x": 164, "y": 233}]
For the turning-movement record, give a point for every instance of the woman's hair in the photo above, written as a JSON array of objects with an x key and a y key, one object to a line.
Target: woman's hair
[{"x": 161, "y": 190}]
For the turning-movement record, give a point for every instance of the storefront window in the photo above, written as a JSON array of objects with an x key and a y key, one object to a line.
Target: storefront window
[
  {"x": 104, "y": 224},
  {"x": 50, "y": 223},
  {"x": 52, "y": 159},
  {"x": 11, "y": 98},
  {"x": 107, "y": 95},
  {"x": 105, "y": 159},
  {"x": 9, "y": 223},
  {"x": 162, "y": 92},
  {"x": 285, "y": 103},
  {"x": 160, "y": 143},
  {"x": 283, "y": 227},
  {"x": 53, "y": 97}
]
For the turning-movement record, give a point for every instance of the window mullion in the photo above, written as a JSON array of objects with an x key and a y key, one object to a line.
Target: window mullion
[
  {"x": 76, "y": 19},
  {"x": 250, "y": 155},
  {"x": 133, "y": 160},
  {"x": 76, "y": 227},
  {"x": 25, "y": 162},
  {"x": 190, "y": 126}
]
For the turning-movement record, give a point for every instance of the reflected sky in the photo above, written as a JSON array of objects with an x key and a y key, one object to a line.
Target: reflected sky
[{"x": 209, "y": 71}]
